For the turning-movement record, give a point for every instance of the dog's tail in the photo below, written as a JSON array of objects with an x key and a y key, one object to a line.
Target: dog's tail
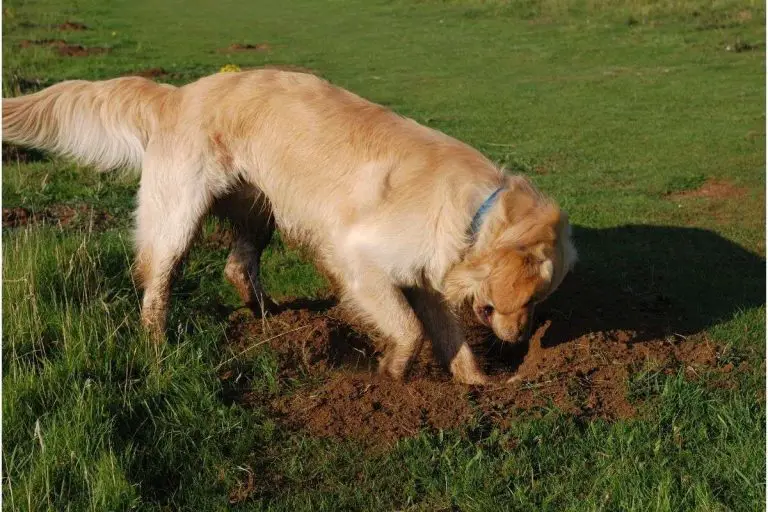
[{"x": 105, "y": 124}]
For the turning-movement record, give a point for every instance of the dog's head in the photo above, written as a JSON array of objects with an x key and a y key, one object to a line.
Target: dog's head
[{"x": 521, "y": 255}]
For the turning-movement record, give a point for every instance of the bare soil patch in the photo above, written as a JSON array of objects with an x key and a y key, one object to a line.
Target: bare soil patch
[
  {"x": 240, "y": 47},
  {"x": 60, "y": 214},
  {"x": 71, "y": 26},
  {"x": 338, "y": 394},
  {"x": 713, "y": 189},
  {"x": 63, "y": 48},
  {"x": 150, "y": 73}
]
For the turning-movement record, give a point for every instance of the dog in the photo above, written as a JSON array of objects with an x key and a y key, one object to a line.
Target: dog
[{"x": 409, "y": 222}]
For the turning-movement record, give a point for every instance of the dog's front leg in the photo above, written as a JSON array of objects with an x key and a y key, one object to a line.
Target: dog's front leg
[
  {"x": 382, "y": 303},
  {"x": 443, "y": 329}
]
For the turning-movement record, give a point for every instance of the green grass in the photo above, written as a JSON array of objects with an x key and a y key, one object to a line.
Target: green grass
[{"x": 609, "y": 105}]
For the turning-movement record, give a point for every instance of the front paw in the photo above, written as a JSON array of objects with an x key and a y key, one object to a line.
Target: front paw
[
  {"x": 472, "y": 379},
  {"x": 465, "y": 369},
  {"x": 393, "y": 367}
]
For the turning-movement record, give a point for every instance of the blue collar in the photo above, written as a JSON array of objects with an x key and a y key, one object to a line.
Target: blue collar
[{"x": 477, "y": 220}]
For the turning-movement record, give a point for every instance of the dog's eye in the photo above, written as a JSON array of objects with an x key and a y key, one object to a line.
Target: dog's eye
[{"x": 487, "y": 311}]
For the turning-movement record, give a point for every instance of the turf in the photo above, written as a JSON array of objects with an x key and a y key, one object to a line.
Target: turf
[{"x": 623, "y": 110}]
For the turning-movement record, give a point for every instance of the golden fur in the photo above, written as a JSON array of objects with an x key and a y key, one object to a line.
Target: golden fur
[{"x": 384, "y": 202}]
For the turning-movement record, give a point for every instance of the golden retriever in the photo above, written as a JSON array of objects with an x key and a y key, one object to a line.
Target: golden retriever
[{"x": 408, "y": 221}]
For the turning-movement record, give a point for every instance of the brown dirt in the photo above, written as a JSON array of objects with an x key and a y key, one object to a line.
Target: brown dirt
[
  {"x": 69, "y": 26},
  {"x": 63, "y": 48},
  {"x": 150, "y": 73},
  {"x": 586, "y": 375},
  {"x": 713, "y": 189},
  {"x": 59, "y": 214},
  {"x": 238, "y": 47}
]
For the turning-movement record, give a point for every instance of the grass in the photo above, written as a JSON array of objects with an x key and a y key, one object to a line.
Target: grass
[{"x": 610, "y": 106}]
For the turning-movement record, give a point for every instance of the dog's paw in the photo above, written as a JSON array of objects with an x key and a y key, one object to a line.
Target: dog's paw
[
  {"x": 473, "y": 379},
  {"x": 393, "y": 367},
  {"x": 465, "y": 369}
]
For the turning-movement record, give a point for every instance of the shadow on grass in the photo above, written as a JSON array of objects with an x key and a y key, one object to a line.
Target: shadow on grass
[{"x": 654, "y": 281}]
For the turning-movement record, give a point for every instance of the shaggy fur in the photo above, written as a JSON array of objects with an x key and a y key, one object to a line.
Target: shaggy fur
[{"x": 384, "y": 202}]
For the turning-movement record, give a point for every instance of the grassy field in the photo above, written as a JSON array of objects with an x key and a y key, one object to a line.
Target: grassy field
[{"x": 645, "y": 119}]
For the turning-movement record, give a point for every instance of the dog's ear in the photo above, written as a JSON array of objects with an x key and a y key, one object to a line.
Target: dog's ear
[
  {"x": 466, "y": 280},
  {"x": 518, "y": 199}
]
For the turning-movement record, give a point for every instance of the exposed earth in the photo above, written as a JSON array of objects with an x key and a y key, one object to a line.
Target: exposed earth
[
  {"x": 603, "y": 374},
  {"x": 63, "y": 48},
  {"x": 58, "y": 214}
]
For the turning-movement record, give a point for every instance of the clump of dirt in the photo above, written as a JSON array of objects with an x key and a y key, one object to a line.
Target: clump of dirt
[
  {"x": 28, "y": 43},
  {"x": 329, "y": 365},
  {"x": 63, "y": 48},
  {"x": 60, "y": 214},
  {"x": 239, "y": 47},
  {"x": 150, "y": 73},
  {"x": 713, "y": 189},
  {"x": 71, "y": 26}
]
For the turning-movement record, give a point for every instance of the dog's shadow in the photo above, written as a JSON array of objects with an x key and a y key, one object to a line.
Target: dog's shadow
[{"x": 652, "y": 281}]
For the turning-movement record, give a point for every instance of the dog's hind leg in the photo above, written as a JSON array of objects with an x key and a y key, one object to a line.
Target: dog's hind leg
[
  {"x": 250, "y": 213},
  {"x": 448, "y": 341},
  {"x": 172, "y": 201}
]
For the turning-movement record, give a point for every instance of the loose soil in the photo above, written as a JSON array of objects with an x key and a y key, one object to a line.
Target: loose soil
[
  {"x": 150, "y": 73},
  {"x": 59, "y": 214},
  {"x": 63, "y": 48},
  {"x": 330, "y": 388},
  {"x": 238, "y": 47},
  {"x": 69, "y": 26}
]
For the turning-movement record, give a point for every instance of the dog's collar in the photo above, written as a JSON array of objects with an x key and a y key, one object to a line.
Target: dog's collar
[{"x": 477, "y": 220}]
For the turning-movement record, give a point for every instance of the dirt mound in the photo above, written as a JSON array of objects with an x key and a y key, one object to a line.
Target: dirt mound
[
  {"x": 63, "y": 48},
  {"x": 330, "y": 367},
  {"x": 150, "y": 73},
  {"x": 238, "y": 47},
  {"x": 59, "y": 214},
  {"x": 71, "y": 26},
  {"x": 713, "y": 189}
]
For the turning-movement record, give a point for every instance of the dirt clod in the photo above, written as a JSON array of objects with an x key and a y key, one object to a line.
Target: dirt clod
[
  {"x": 150, "y": 73},
  {"x": 63, "y": 48},
  {"x": 69, "y": 26},
  {"x": 239, "y": 47}
]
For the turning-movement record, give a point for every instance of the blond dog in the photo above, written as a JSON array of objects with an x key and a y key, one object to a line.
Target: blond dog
[{"x": 407, "y": 220}]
